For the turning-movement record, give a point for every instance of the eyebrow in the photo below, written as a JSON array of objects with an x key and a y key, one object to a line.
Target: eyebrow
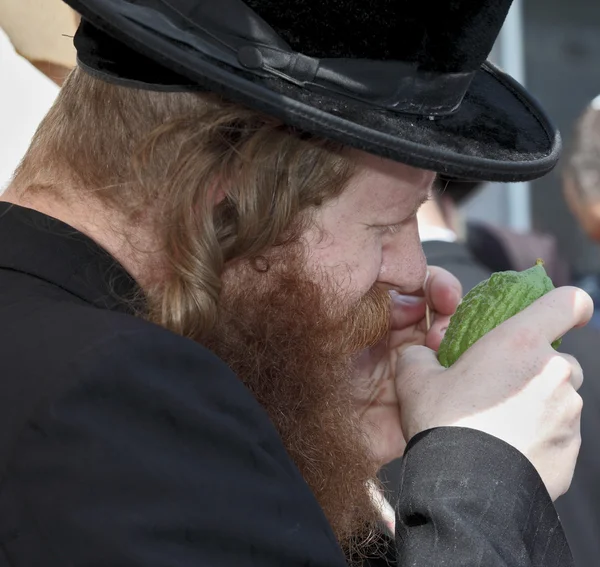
[
  {"x": 417, "y": 206},
  {"x": 428, "y": 194},
  {"x": 425, "y": 195}
]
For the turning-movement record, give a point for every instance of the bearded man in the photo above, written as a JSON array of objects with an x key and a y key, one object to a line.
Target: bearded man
[{"x": 214, "y": 297}]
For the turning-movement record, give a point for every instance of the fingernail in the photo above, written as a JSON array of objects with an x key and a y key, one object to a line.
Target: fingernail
[
  {"x": 426, "y": 280},
  {"x": 443, "y": 331}
]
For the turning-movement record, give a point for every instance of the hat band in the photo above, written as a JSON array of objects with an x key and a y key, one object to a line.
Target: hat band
[{"x": 245, "y": 42}]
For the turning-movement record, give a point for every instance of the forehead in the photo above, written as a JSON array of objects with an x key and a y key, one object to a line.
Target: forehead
[{"x": 385, "y": 184}]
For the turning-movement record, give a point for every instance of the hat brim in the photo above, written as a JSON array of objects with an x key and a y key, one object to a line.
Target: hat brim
[{"x": 499, "y": 133}]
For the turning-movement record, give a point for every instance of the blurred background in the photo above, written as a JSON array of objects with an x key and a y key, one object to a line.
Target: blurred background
[{"x": 553, "y": 47}]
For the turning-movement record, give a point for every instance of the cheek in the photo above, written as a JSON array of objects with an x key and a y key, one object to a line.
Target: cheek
[
  {"x": 352, "y": 263},
  {"x": 368, "y": 267}
]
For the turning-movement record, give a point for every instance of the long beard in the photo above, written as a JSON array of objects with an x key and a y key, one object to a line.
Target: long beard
[{"x": 294, "y": 346}]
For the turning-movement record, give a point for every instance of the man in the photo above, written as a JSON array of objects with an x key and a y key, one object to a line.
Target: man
[
  {"x": 581, "y": 186},
  {"x": 201, "y": 362}
]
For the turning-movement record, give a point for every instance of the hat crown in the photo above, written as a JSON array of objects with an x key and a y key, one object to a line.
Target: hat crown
[
  {"x": 437, "y": 35},
  {"x": 403, "y": 79}
]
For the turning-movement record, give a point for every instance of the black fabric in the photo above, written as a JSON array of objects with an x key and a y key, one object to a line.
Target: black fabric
[
  {"x": 124, "y": 444},
  {"x": 487, "y": 248},
  {"x": 250, "y": 44},
  {"x": 499, "y": 132},
  {"x": 440, "y": 35},
  {"x": 458, "y": 260},
  {"x": 579, "y": 508},
  {"x": 106, "y": 58},
  {"x": 428, "y": 504}
]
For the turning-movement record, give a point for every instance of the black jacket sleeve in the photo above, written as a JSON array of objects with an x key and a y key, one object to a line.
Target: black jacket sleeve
[{"x": 469, "y": 499}]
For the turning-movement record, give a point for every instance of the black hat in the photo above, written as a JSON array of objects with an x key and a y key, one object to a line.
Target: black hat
[{"x": 404, "y": 79}]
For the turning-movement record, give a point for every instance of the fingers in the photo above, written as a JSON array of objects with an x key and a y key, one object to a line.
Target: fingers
[
  {"x": 438, "y": 327},
  {"x": 443, "y": 291},
  {"x": 416, "y": 361},
  {"x": 574, "y": 369},
  {"x": 554, "y": 314}
]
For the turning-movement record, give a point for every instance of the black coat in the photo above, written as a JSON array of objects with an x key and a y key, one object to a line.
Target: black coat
[
  {"x": 122, "y": 444},
  {"x": 579, "y": 509}
]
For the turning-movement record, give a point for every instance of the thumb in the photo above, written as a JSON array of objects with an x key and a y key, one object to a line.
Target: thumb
[
  {"x": 413, "y": 362},
  {"x": 416, "y": 370}
]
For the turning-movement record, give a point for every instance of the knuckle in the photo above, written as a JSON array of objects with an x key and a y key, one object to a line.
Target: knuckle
[
  {"x": 578, "y": 302},
  {"x": 558, "y": 369},
  {"x": 577, "y": 404}
]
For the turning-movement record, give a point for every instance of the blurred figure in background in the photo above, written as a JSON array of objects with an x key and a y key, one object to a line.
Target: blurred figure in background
[
  {"x": 580, "y": 508},
  {"x": 445, "y": 233},
  {"x": 581, "y": 188},
  {"x": 36, "y": 55}
]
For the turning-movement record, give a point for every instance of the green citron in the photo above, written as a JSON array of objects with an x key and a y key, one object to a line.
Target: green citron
[{"x": 490, "y": 303}]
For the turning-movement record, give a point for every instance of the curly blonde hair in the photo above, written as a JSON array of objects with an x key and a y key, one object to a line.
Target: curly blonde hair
[{"x": 174, "y": 153}]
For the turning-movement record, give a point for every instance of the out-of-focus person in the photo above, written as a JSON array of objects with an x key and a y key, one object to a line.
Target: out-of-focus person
[
  {"x": 36, "y": 55},
  {"x": 494, "y": 247},
  {"x": 581, "y": 188},
  {"x": 443, "y": 232}
]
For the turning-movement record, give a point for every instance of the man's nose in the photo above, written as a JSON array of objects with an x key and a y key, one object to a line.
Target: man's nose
[{"x": 404, "y": 268}]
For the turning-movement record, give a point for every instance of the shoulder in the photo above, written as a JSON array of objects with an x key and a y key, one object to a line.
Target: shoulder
[
  {"x": 59, "y": 352},
  {"x": 144, "y": 368},
  {"x": 156, "y": 448}
]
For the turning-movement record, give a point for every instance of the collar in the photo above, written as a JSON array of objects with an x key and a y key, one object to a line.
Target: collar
[
  {"x": 428, "y": 232},
  {"x": 46, "y": 248}
]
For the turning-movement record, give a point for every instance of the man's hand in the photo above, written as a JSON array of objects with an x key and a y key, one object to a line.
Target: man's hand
[
  {"x": 376, "y": 391},
  {"x": 510, "y": 384}
]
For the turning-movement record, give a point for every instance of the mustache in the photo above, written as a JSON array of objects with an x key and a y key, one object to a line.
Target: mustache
[{"x": 368, "y": 321}]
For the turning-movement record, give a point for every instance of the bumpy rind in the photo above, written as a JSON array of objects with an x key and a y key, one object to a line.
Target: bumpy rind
[{"x": 489, "y": 304}]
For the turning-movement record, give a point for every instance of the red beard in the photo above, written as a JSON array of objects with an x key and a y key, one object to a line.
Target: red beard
[{"x": 294, "y": 346}]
